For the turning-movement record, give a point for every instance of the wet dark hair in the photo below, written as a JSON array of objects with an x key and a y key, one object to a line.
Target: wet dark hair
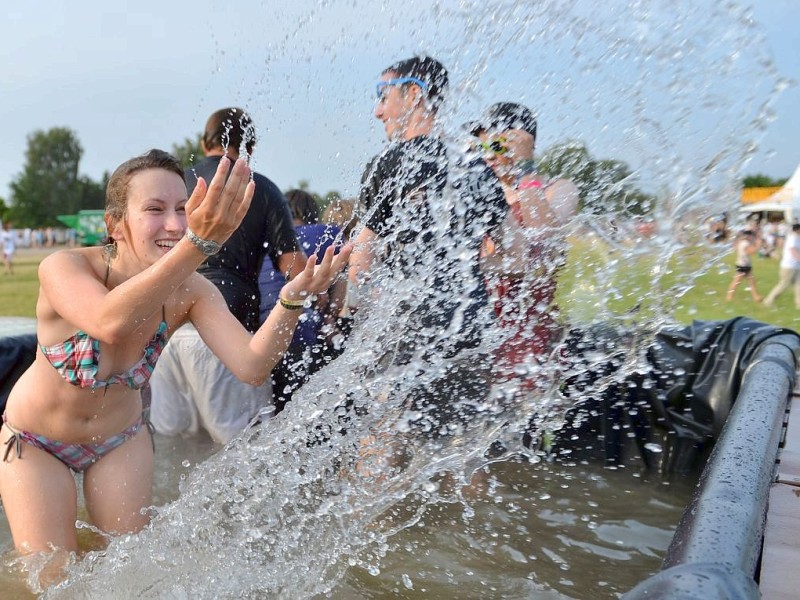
[
  {"x": 426, "y": 69},
  {"x": 506, "y": 115},
  {"x": 229, "y": 127},
  {"x": 303, "y": 206},
  {"x": 117, "y": 188}
]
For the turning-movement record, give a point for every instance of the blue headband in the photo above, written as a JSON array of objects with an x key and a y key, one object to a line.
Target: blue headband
[{"x": 399, "y": 81}]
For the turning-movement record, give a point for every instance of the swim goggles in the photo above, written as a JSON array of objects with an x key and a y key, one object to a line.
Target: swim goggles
[
  {"x": 399, "y": 81},
  {"x": 495, "y": 146}
]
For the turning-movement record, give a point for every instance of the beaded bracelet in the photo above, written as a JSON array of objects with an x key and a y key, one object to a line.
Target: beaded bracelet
[
  {"x": 533, "y": 183},
  {"x": 291, "y": 304}
]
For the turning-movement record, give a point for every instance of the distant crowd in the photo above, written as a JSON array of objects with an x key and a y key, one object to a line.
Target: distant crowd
[
  {"x": 768, "y": 238},
  {"x": 42, "y": 237}
]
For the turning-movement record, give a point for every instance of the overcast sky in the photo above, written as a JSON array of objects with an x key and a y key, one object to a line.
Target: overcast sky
[{"x": 674, "y": 87}]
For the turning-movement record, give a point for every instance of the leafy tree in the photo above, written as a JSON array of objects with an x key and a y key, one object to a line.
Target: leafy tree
[
  {"x": 189, "y": 151},
  {"x": 759, "y": 180},
  {"x": 92, "y": 193},
  {"x": 604, "y": 185},
  {"x": 49, "y": 183}
]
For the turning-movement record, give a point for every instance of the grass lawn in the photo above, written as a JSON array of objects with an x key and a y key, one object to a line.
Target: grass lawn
[
  {"x": 691, "y": 284},
  {"x": 18, "y": 292},
  {"x": 597, "y": 284}
]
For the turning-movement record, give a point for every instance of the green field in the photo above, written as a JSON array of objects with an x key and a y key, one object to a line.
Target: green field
[
  {"x": 647, "y": 285},
  {"x": 598, "y": 284},
  {"x": 18, "y": 292}
]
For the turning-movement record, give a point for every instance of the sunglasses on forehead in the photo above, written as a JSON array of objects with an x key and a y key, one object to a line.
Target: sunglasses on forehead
[
  {"x": 496, "y": 146},
  {"x": 381, "y": 85}
]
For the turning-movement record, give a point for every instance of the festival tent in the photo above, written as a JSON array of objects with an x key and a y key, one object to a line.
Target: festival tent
[{"x": 786, "y": 200}]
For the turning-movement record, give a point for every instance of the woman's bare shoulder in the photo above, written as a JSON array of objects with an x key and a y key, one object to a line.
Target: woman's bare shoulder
[{"x": 70, "y": 259}]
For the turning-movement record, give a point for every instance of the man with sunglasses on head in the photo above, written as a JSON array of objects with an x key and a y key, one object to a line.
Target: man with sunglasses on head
[
  {"x": 414, "y": 168},
  {"x": 425, "y": 213},
  {"x": 522, "y": 260},
  {"x": 409, "y": 95}
]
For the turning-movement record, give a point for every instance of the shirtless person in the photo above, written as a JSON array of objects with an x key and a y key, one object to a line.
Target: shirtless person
[{"x": 745, "y": 245}]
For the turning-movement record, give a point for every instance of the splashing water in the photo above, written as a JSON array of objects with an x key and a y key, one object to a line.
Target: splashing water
[{"x": 293, "y": 503}]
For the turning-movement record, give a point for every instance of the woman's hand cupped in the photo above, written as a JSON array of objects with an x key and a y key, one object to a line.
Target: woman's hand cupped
[
  {"x": 215, "y": 210},
  {"x": 317, "y": 278}
]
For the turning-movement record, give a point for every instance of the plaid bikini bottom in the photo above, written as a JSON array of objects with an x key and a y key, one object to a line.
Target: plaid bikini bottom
[{"x": 77, "y": 457}]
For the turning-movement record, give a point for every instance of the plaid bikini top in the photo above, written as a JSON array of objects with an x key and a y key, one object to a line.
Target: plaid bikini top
[{"x": 76, "y": 360}]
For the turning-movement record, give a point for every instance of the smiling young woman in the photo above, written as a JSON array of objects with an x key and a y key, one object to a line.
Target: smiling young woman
[{"x": 103, "y": 318}]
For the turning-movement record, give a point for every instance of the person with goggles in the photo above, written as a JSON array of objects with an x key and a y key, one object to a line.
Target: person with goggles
[
  {"x": 419, "y": 200},
  {"x": 521, "y": 263}
]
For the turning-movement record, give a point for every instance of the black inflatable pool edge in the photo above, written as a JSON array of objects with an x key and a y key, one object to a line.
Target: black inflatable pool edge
[
  {"x": 715, "y": 551},
  {"x": 17, "y": 352}
]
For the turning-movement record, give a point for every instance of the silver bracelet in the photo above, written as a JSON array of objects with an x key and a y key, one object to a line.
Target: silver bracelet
[{"x": 207, "y": 247}]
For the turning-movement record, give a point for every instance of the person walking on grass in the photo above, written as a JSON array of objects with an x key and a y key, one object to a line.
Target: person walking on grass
[
  {"x": 789, "y": 269},
  {"x": 8, "y": 238},
  {"x": 745, "y": 245}
]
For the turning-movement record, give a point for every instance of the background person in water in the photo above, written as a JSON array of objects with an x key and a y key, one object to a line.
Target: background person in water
[
  {"x": 103, "y": 316},
  {"x": 305, "y": 354},
  {"x": 191, "y": 388},
  {"x": 425, "y": 210},
  {"x": 522, "y": 262}
]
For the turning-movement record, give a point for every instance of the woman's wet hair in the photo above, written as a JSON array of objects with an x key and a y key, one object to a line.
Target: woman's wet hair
[
  {"x": 230, "y": 127},
  {"x": 117, "y": 188},
  {"x": 303, "y": 206}
]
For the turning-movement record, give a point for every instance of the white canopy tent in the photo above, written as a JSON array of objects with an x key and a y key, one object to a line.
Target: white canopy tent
[{"x": 786, "y": 199}]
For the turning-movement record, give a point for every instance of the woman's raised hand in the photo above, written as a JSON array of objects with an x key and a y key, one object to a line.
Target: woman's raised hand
[
  {"x": 215, "y": 210},
  {"x": 317, "y": 278}
]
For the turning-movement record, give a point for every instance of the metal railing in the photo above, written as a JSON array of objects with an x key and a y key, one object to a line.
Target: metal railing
[{"x": 716, "y": 548}]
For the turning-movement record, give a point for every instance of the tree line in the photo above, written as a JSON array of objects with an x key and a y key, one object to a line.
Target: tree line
[{"x": 50, "y": 183}]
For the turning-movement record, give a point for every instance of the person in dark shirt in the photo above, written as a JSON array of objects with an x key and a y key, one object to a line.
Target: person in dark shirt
[
  {"x": 191, "y": 388},
  {"x": 266, "y": 231},
  {"x": 426, "y": 210}
]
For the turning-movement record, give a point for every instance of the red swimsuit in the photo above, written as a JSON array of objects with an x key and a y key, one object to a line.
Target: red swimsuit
[{"x": 525, "y": 309}]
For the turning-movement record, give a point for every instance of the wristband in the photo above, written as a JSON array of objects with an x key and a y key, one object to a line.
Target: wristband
[
  {"x": 291, "y": 304},
  {"x": 533, "y": 183}
]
